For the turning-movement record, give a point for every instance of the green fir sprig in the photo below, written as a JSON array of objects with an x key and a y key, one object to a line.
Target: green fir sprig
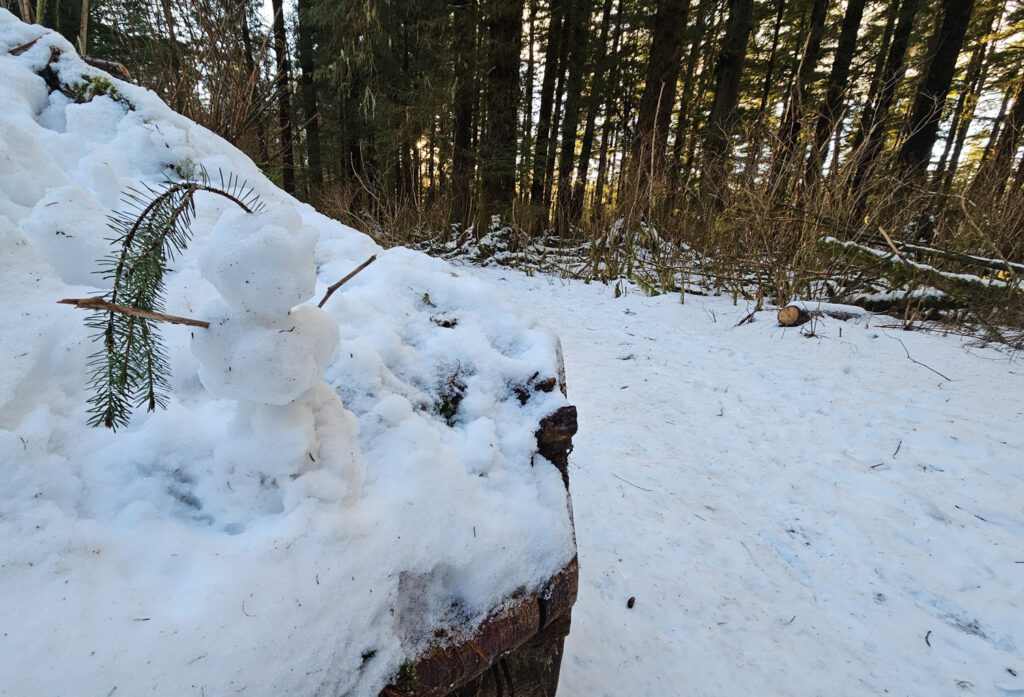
[{"x": 131, "y": 369}]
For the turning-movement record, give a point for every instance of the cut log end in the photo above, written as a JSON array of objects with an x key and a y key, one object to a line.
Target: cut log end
[{"x": 793, "y": 316}]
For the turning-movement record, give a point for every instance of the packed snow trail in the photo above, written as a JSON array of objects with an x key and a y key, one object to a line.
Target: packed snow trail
[{"x": 794, "y": 515}]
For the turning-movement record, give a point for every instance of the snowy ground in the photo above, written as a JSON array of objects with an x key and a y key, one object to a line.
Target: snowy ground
[{"x": 794, "y": 516}]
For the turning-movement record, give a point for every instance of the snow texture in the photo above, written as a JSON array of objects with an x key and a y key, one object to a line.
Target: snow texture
[
  {"x": 795, "y": 511},
  {"x": 315, "y": 499}
]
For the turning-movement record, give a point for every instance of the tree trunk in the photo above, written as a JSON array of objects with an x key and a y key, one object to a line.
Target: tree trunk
[
  {"x": 754, "y": 149},
  {"x": 556, "y": 119},
  {"x": 721, "y": 119},
  {"x": 252, "y": 68},
  {"x": 28, "y": 15},
  {"x": 875, "y": 119},
  {"x": 578, "y": 18},
  {"x": 544, "y": 129},
  {"x": 64, "y": 16},
  {"x": 526, "y": 146},
  {"x": 464, "y": 32},
  {"x": 792, "y": 119},
  {"x": 284, "y": 118},
  {"x": 876, "y": 74},
  {"x": 651, "y": 136},
  {"x": 83, "y": 29},
  {"x": 498, "y": 145},
  {"x": 990, "y": 181},
  {"x": 597, "y": 89},
  {"x": 309, "y": 100},
  {"x": 835, "y": 93},
  {"x": 923, "y": 127},
  {"x": 686, "y": 99},
  {"x": 609, "y": 110}
]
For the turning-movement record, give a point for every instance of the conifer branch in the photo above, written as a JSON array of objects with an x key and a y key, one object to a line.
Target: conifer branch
[{"x": 131, "y": 369}]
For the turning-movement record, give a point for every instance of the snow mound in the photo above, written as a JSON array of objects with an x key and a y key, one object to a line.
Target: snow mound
[{"x": 324, "y": 482}]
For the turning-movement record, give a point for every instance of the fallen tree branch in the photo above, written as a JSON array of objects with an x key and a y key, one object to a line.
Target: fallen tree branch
[
  {"x": 18, "y": 50},
  {"x": 346, "y": 279},
  {"x": 631, "y": 483},
  {"x": 98, "y": 303},
  {"x": 912, "y": 360}
]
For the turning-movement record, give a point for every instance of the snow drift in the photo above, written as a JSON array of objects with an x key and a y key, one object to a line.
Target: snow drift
[{"x": 313, "y": 496}]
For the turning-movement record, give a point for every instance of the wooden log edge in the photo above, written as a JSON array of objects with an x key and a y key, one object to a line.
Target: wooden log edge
[{"x": 443, "y": 669}]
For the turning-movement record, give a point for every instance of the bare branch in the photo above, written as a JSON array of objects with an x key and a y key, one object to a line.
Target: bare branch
[
  {"x": 339, "y": 284},
  {"x": 98, "y": 303}
]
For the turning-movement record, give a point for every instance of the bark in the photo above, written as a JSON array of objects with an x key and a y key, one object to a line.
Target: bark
[
  {"x": 556, "y": 120},
  {"x": 875, "y": 118},
  {"x": 547, "y": 96},
  {"x": 64, "y": 16},
  {"x": 83, "y": 29},
  {"x": 284, "y": 114},
  {"x": 684, "y": 117},
  {"x": 578, "y": 19},
  {"x": 997, "y": 123},
  {"x": 930, "y": 100},
  {"x": 754, "y": 151},
  {"x": 707, "y": 77},
  {"x": 179, "y": 94},
  {"x": 963, "y": 113},
  {"x": 498, "y": 145},
  {"x": 309, "y": 99},
  {"x": 28, "y": 15},
  {"x": 526, "y": 147},
  {"x": 834, "y": 108},
  {"x": 250, "y": 64},
  {"x": 994, "y": 172},
  {"x": 609, "y": 110},
  {"x": 879, "y": 67},
  {"x": 792, "y": 119},
  {"x": 597, "y": 89},
  {"x": 721, "y": 119},
  {"x": 659, "y": 95},
  {"x": 465, "y": 25}
]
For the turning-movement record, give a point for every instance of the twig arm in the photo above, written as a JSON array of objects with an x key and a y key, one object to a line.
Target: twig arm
[
  {"x": 98, "y": 303},
  {"x": 346, "y": 279}
]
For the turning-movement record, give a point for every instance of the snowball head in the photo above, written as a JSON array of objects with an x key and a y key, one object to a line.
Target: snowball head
[
  {"x": 261, "y": 263},
  {"x": 241, "y": 357}
]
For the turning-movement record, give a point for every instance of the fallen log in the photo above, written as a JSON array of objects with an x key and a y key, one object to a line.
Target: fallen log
[{"x": 793, "y": 316}]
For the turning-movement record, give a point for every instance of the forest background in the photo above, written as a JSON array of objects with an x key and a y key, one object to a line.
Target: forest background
[{"x": 857, "y": 151}]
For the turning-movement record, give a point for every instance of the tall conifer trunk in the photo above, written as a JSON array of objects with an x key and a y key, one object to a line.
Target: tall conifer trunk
[
  {"x": 309, "y": 100},
  {"x": 544, "y": 128},
  {"x": 994, "y": 172},
  {"x": 792, "y": 118},
  {"x": 504, "y": 22},
  {"x": 284, "y": 113},
  {"x": 834, "y": 108},
  {"x": 464, "y": 32},
  {"x": 578, "y": 19},
  {"x": 930, "y": 100},
  {"x": 875, "y": 118},
  {"x": 659, "y": 96},
  {"x": 597, "y": 89},
  {"x": 721, "y": 119}
]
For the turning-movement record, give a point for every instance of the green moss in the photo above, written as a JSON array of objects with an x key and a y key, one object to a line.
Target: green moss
[
  {"x": 92, "y": 86},
  {"x": 407, "y": 679}
]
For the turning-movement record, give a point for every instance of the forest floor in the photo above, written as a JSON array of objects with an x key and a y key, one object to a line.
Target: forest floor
[{"x": 835, "y": 509}]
